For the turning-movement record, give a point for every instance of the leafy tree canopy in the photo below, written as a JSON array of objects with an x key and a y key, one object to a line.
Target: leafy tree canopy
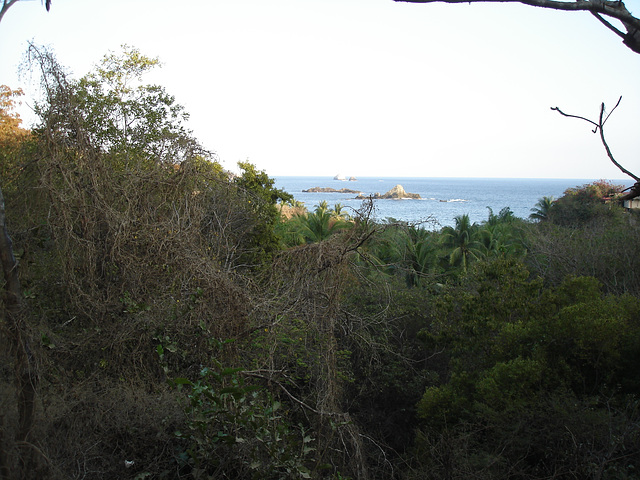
[
  {"x": 585, "y": 203},
  {"x": 111, "y": 111},
  {"x": 524, "y": 363}
]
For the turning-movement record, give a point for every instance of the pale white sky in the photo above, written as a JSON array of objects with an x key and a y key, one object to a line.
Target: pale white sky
[{"x": 366, "y": 87}]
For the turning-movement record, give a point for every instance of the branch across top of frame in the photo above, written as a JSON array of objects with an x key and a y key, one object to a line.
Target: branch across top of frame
[{"x": 599, "y": 8}]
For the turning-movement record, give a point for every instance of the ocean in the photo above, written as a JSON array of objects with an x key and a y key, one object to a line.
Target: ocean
[{"x": 442, "y": 198}]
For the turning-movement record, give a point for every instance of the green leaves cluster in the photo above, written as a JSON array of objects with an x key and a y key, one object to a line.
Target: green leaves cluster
[
  {"x": 238, "y": 430},
  {"x": 463, "y": 242},
  {"x": 262, "y": 199},
  {"x": 112, "y": 111},
  {"x": 580, "y": 205},
  {"x": 424, "y": 257},
  {"x": 315, "y": 226},
  {"x": 522, "y": 357}
]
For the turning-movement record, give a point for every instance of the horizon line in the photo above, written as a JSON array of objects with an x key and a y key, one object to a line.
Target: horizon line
[{"x": 332, "y": 177}]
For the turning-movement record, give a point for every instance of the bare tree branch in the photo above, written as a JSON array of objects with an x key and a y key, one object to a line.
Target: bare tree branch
[
  {"x": 578, "y": 117},
  {"x": 620, "y": 33},
  {"x": 606, "y": 146},
  {"x": 612, "y": 110},
  {"x": 6, "y": 5},
  {"x": 634, "y": 191},
  {"x": 599, "y": 8}
]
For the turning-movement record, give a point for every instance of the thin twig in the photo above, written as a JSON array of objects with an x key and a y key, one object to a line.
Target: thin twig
[
  {"x": 612, "y": 110},
  {"x": 292, "y": 397},
  {"x": 578, "y": 117},
  {"x": 600, "y": 125},
  {"x": 606, "y": 146}
]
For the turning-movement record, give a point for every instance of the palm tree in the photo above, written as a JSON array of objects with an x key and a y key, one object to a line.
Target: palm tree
[
  {"x": 421, "y": 255},
  {"x": 319, "y": 225},
  {"x": 339, "y": 212},
  {"x": 499, "y": 234},
  {"x": 463, "y": 241},
  {"x": 504, "y": 216},
  {"x": 322, "y": 207},
  {"x": 501, "y": 239},
  {"x": 291, "y": 230},
  {"x": 541, "y": 209}
]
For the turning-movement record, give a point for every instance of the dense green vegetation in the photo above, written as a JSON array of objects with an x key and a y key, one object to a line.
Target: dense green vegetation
[{"x": 182, "y": 327}]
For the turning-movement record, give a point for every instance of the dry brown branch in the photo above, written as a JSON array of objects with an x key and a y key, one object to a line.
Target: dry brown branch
[{"x": 306, "y": 284}]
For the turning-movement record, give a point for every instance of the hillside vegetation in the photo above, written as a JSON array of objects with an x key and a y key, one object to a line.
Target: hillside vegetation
[{"x": 172, "y": 323}]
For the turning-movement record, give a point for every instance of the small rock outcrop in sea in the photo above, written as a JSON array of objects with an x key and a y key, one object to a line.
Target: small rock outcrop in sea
[
  {"x": 352, "y": 179},
  {"x": 396, "y": 192},
  {"x": 330, "y": 190},
  {"x": 340, "y": 177}
]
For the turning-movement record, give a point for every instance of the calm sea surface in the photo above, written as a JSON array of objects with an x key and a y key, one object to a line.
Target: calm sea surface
[{"x": 442, "y": 198}]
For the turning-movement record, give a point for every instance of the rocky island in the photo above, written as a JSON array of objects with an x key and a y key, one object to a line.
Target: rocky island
[
  {"x": 330, "y": 190},
  {"x": 396, "y": 192},
  {"x": 342, "y": 178}
]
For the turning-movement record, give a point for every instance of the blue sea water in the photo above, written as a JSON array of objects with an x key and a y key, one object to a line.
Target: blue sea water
[{"x": 442, "y": 198}]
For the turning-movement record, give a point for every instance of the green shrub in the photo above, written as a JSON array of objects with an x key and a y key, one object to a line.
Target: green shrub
[{"x": 238, "y": 430}]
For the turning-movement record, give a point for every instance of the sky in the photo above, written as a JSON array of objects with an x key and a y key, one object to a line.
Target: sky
[{"x": 364, "y": 87}]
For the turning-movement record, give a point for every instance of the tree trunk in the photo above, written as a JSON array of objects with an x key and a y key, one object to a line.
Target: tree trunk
[{"x": 15, "y": 329}]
